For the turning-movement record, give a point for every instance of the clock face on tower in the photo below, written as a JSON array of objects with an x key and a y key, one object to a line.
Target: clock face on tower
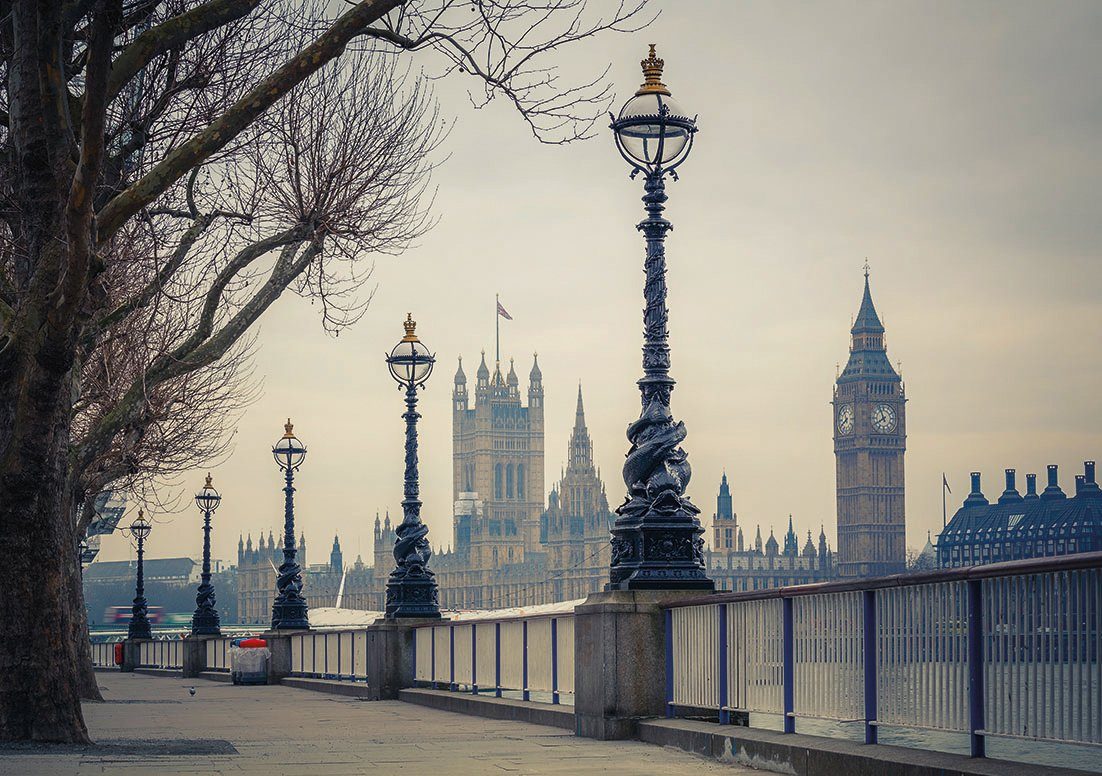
[
  {"x": 883, "y": 418},
  {"x": 845, "y": 420}
]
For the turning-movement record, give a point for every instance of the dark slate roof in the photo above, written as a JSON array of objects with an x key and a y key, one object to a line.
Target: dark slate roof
[
  {"x": 155, "y": 568},
  {"x": 1025, "y": 519}
]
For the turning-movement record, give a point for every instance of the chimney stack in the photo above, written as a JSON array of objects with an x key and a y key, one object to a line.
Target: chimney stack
[
  {"x": 1031, "y": 486},
  {"x": 1053, "y": 490},
  {"x": 1090, "y": 487},
  {"x": 975, "y": 498},
  {"x": 1011, "y": 493},
  {"x": 1079, "y": 480}
]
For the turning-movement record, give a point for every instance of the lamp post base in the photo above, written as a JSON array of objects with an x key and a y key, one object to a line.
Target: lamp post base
[
  {"x": 205, "y": 624},
  {"x": 658, "y": 554},
  {"x": 412, "y": 596},
  {"x": 289, "y": 615}
]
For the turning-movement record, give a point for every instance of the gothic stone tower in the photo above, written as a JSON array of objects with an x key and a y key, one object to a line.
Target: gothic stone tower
[
  {"x": 870, "y": 434},
  {"x": 575, "y": 525},
  {"x": 497, "y": 452}
]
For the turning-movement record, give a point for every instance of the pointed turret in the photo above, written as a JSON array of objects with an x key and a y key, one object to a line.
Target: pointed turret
[
  {"x": 581, "y": 447},
  {"x": 868, "y": 322},
  {"x": 249, "y": 544},
  {"x": 482, "y": 376},
  {"x": 512, "y": 379},
  {"x": 809, "y": 548},
  {"x": 757, "y": 542},
  {"x": 535, "y": 376},
  {"x": 868, "y": 357},
  {"x": 771, "y": 544},
  {"x": 740, "y": 540},
  {"x": 460, "y": 375},
  {"x": 822, "y": 542},
  {"x": 791, "y": 543},
  {"x": 724, "y": 508},
  {"x": 336, "y": 558}
]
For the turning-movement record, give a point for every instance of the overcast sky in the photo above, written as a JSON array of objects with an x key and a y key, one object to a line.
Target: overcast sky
[{"x": 955, "y": 145}]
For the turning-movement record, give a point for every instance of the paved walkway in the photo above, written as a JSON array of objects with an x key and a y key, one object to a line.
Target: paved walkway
[{"x": 152, "y": 725}]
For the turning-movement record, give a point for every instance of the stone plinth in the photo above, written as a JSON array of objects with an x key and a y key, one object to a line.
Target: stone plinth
[
  {"x": 195, "y": 654},
  {"x": 279, "y": 644},
  {"x": 620, "y": 661},
  {"x": 132, "y": 654},
  {"x": 391, "y": 655}
]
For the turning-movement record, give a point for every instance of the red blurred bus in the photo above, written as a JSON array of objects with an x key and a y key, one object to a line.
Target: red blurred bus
[{"x": 120, "y": 615}]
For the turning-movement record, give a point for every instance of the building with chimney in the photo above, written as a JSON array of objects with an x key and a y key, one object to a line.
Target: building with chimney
[
  {"x": 734, "y": 566},
  {"x": 870, "y": 436},
  {"x": 1033, "y": 525}
]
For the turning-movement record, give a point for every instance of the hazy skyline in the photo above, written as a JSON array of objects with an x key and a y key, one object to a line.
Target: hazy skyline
[{"x": 956, "y": 147}]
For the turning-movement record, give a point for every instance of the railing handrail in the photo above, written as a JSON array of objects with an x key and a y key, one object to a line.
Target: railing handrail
[{"x": 1012, "y": 568}]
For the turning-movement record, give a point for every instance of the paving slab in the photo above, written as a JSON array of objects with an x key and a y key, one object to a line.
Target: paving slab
[{"x": 154, "y": 725}]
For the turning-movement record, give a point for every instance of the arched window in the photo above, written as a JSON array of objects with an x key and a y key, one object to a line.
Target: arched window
[
  {"x": 509, "y": 481},
  {"x": 497, "y": 481},
  {"x": 521, "y": 493}
]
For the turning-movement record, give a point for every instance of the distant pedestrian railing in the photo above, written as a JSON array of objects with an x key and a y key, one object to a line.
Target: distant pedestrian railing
[
  {"x": 330, "y": 655},
  {"x": 525, "y": 657},
  {"x": 161, "y": 653},
  {"x": 1011, "y": 649},
  {"x": 103, "y": 653},
  {"x": 218, "y": 653}
]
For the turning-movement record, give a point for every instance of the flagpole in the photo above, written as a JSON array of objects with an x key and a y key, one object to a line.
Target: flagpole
[
  {"x": 944, "y": 482},
  {"x": 497, "y": 328}
]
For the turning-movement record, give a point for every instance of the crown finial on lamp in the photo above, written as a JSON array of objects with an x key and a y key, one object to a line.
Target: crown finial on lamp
[
  {"x": 208, "y": 485},
  {"x": 288, "y": 429},
  {"x": 652, "y": 75},
  {"x": 410, "y": 325}
]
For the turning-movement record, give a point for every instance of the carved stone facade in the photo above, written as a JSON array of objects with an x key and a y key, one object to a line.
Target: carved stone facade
[{"x": 870, "y": 438}]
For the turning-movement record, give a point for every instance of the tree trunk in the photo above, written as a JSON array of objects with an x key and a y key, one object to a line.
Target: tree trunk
[
  {"x": 40, "y": 665},
  {"x": 88, "y": 686}
]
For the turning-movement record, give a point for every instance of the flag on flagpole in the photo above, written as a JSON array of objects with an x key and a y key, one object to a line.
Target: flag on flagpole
[
  {"x": 503, "y": 312},
  {"x": 945, "y": 483}
]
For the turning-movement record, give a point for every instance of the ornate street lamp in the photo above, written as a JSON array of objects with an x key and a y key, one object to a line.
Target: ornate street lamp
[
  {"x": 657, "y": 538},
  {"x": 411, "y": 589},
  {"x": 289, "y": 608},
  {"x": 139, "y": 618},
  {"x": 205, "y": 621}
]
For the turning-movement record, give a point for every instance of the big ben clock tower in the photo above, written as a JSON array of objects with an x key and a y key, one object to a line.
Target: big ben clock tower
[{"x": 869, "y": 441}]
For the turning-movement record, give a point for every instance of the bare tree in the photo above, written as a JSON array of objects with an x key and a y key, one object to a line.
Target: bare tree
[{"x": 110, "y": 107}]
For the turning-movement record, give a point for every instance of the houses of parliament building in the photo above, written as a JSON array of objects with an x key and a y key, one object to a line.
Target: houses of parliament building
[{"x": 511, "y": 548}]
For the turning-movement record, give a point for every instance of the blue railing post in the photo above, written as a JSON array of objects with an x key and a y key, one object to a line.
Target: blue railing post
[
  {"x": 474, "y": 658},
  {"x": 788, "y": 672},
  {"x": 432, "y": 657},
  {"x": 724, "y": 714},
  {"x": 451, "y": 656},
  {"x": 497, "y": 659},
  {"x": 870, "y": 642},
  {"x": 554, "y": 660},
  {"x": 524, "y": 663},
  {"x": 669, "y": 663},
  {"x": 414, "y": 650},
  {"x": 976, "y": 714}
]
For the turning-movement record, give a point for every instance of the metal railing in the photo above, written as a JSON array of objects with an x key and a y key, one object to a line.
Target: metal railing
[
  {"x": 1011, "y": 649},
  {"x": 218, "y": 653},
  {"x": 103, "y": 653},
  {"x": 528, "y": 657},
  {"x": 330, "y": 655},
  {"x": 161, "y": 653}
]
